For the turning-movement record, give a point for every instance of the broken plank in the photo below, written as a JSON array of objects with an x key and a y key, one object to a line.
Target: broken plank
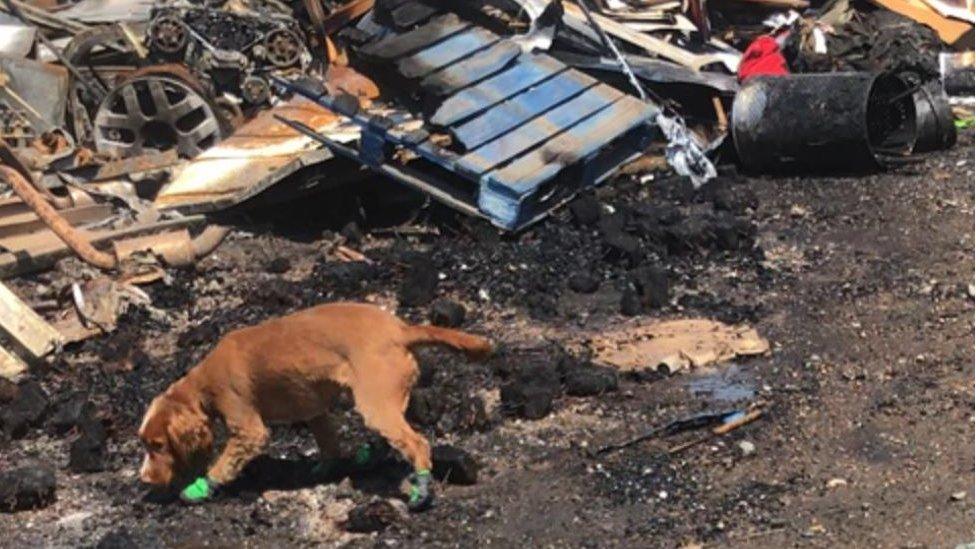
[
  {"x": 524, "y": 174},
  {"x": 521, "y": 108},
  {"x": 528, "y": 71},
  {"x": 399, "y": 45},
  {"x": 576, "y": 20},
  {"x": 26, "y": 327},
  {"x": 464, "y": 73},
  {"x": 445, "y": 52},
  {"x": 11, "y": 366},
  {"x": 538, "y": 130}
]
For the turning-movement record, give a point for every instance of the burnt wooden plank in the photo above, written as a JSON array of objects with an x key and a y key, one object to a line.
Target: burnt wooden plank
[
  {"x": 519, "y": 109},
  {"x": 528, "y": 71},
  {"x": 537, "y": 130},
  {"x": 526, "y": 173},
  {"x": 446, "y": 52},
  {"x": 398, "y": 45},
  {"x": 413, "y": 13},
  {"x": 468, "y": 71}
]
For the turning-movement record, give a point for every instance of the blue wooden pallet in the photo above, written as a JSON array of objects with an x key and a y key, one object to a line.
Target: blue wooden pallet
[{"x": 528, "y": 131}]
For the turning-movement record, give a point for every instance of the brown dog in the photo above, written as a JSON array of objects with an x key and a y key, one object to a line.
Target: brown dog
[{"x": 286, "y": 370}]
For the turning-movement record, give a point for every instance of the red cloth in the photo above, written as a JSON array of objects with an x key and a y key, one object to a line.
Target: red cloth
[{"x": 762, "y": 57}]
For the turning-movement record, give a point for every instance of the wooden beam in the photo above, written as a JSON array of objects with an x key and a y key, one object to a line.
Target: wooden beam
[
  {"x": 25, "y": 327},
  {"x": 11, "y": 367}
]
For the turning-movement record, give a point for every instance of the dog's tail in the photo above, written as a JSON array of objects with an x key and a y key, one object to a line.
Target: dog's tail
[{"x": 476, "y": 347}]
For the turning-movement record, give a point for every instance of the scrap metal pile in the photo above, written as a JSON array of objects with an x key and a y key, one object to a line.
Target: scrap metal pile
[{"x": 128, "y": 128}]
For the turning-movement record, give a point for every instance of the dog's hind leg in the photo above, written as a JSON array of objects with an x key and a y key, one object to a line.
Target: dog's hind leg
[
  {"x": 381, "y": 397},
  {"x": 247, "y": 439},
  {"x": 324, "y": 430}
]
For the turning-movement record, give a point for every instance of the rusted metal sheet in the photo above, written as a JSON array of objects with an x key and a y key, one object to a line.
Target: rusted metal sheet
[
  {"x": 43, "y": 86},
  {"x": 143, "y": 163},
  {"x": 27, "y": 222},
  {"x": 39, "y": 250},
  {"x": 260, "y": 153},
  {"x": 16, "y": 38}
]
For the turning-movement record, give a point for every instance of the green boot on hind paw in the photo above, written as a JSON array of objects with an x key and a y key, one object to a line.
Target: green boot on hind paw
[{"x": 421, "y": 495}]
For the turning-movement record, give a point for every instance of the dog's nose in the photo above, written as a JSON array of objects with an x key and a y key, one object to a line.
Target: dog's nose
[{"x": 145, "y": 473}]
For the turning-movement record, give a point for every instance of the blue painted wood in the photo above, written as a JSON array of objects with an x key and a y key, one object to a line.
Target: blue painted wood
[
  {"x": 525, "y": 174},
  {"x": 537, "y": 130},
  {"x": 519, "y": 109},
  {"x": 477, "y": 67},
  {"x": 446, "y": 52},
  {"x": 398, "y": 45},
  {"x": 528, "y": 71}
]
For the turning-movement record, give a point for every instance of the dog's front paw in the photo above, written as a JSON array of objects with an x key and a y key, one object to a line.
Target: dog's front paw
[
  {"x": 421, "y": 495},
  {"x": 198, "y": 492}
]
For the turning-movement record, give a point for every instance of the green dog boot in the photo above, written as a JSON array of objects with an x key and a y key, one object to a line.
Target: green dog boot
[
  {"x": 369, "y": 456},
  {"x": 421, "y": 496},
  {"x": 363, "y": 457},
  {"x": 199, "y": 491},
  {"x": 328, "y": 469}
]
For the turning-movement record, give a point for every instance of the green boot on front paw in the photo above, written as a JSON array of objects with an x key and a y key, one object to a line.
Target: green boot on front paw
[
  {"x": 421, "y": 494},
  {"x": 199, "y": 491}
]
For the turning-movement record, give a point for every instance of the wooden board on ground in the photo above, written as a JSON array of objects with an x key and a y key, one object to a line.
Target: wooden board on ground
[
  {"x": 11, "y": 367},
  {"x": 26, "y": 327}
]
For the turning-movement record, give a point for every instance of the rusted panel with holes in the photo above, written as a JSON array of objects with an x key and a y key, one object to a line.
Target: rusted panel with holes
[{"x": 259, "y": 154}]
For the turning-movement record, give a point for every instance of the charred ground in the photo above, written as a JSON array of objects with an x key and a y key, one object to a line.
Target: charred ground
[{"x": 862, "y": 284}]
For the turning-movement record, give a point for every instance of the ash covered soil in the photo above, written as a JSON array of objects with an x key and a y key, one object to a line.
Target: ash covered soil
[{"x": 862, "y": 284}]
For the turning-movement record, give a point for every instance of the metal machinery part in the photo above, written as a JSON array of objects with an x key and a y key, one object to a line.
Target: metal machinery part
[
  {"x": 15, "y": 129},
  {"x": 155, "y": 113},
  {"x": 255, "y": 90},
  {"x": 283, "y": 48},
  {"x": 231, "y": 53},
  {"x": 168, "y": 34}
]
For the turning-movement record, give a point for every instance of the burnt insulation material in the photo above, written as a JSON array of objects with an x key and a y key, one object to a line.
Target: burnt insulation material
[{"x": 823, "y": 122}]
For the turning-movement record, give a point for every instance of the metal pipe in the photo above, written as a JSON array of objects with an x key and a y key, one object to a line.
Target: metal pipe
[
  {"x": 208, "y": 240},
  {"x": 176, "y": 249},
  {"x": 11, "y": 159},
  {"x": 75, "y": 240}
]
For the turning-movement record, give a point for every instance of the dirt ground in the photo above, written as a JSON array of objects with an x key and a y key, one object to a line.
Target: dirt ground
[{"x": 863, "y": 285}]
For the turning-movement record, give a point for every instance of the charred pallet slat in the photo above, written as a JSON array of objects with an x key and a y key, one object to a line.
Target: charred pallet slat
[
  {"x": 465, "y": 73},
  {"x": 446, "y": 52},
  {"x": 468, "y": 102},
  {"x": 398, "y": 45},
  {"x": 521, "y": 108},
  {"x": 535, "y": 132}
]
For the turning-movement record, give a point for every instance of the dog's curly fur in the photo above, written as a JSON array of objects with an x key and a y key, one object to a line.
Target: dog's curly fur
[{"x": 290, "y": 369}]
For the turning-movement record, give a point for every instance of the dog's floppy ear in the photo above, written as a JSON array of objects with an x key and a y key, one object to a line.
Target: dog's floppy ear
[{"x": 189, "y": 434}]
